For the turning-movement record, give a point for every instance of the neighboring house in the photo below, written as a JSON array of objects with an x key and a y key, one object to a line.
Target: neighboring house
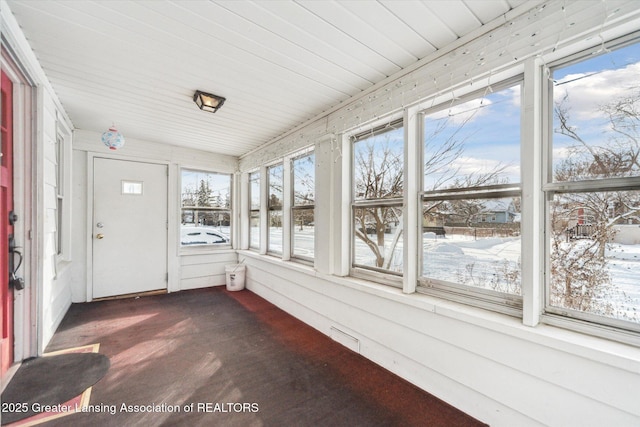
[{"x": 499, "y": 211}]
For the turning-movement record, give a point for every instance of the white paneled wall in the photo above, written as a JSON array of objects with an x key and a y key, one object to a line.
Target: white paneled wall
[
  {"x": 486, "y": 364},
  {"x": 38, "y": 117},
  {"x": 489, "y": 365},
  {"x": 188, "y": 268},
  {"x": 56, "y": 293},
  {"x": 199, "y": 271},
  {"x": 492, "y": 366}
]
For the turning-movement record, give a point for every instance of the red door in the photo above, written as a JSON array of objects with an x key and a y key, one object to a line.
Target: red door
[{"x": 6, "y": 229}]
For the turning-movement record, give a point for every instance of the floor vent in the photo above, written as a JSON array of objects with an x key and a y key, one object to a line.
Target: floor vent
[{"x": 349, "y": 341}]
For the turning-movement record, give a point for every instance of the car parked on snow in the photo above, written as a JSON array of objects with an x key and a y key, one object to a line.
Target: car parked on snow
[{"x": 192, "y": 235}]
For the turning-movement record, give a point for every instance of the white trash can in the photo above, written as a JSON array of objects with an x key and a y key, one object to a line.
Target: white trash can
[{"x": 235, "y": 277}]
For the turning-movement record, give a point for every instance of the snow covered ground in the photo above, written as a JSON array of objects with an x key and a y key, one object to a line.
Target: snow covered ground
[
  {"x": 488, "y": 262},
  {"x": 492, "y": 263},
  {"x": 624, "y": 269}
]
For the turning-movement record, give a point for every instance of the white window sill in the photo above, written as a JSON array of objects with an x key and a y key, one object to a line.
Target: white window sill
[{"x": 204, "y": 249}]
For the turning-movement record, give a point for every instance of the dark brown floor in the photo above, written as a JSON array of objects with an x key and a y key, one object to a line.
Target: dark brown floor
[{"x": 240, "y": 361}]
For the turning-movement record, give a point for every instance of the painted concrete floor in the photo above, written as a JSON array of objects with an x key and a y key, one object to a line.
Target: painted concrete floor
[{"x": 211, "y": 357}]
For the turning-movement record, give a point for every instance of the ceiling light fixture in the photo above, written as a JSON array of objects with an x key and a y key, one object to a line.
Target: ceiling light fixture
[{"x": 208, "y": 102}]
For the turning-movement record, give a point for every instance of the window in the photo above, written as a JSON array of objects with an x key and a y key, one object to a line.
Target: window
[
  {"x": 471, "y": 200},
  {"x": 593, "y": 190},
  {"x": 62, "y": 233},
  {"x": 206, "y": 208},
  {"x": 60, "y": 211},
  {"x": 275, "y": 176},
  {"x": 378, "y": 173},
  {"x": 302, "y": 210},
  {"x": 254, "y": 210},
  {"x": 132, "y": 188}
]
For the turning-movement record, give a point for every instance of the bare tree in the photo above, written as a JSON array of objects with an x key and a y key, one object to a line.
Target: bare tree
[
  {"x": 579, "y": 276},
  {"x": 439, "y": 158},
  {"x": 618, "y": 156},
  {"x": 583, "y": 222},
  {"x": 379, "y": 176}
]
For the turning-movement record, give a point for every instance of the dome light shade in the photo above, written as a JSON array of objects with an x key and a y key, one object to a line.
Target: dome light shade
[
  {"x": 208, "y": 102},
  {"x": 112, "y": 138}
]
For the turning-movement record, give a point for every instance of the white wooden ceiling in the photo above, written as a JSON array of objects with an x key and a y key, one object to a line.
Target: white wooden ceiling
[{"x": 278, "y": 63}]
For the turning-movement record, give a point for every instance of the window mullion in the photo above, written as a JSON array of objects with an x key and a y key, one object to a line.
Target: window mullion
[
  {"x": 377, "y": 235},
  {"x": 604, "y": 184},
  {"x": 412, "y": 187},
  {"x": 372, "y": 203},
  {"x": 264, "y": 210},
  {"x": 287, "y": 195},
  {"x": 531, "y": 211}
]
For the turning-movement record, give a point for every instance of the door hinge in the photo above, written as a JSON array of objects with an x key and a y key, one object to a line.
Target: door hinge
[{"x": 166, "y": 278}]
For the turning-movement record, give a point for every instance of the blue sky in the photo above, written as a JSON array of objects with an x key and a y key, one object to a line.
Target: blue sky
[
  {"x": 492, "y": 134},
  {"x": 589, "y": 85},
  {"x": 611, "y": 60}
]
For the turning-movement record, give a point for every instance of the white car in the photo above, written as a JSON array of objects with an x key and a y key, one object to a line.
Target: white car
[{"x": 191, "y": 235}]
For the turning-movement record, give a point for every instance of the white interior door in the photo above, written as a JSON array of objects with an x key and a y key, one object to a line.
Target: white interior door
[{"x": 129, "y": 227}]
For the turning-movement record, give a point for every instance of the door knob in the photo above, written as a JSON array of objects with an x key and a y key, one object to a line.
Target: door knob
[{"x": 99, "y": 236}]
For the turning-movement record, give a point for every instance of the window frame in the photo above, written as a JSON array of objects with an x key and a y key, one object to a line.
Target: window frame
[
  {"x": 60, "y": 194},
  {"x": 534, "y": 188},
  {"x": 502, "y": 302},
  {"x": 213, "y": 209},
  {"x": 300, "y": 207},
  {"x": 252, "y": 209},
  {"x": 581, "y": 321},
  {"x": 272, "y": 208},
  {"x": 376, "y": 274},
  {"x": 62, "y": 146}
]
